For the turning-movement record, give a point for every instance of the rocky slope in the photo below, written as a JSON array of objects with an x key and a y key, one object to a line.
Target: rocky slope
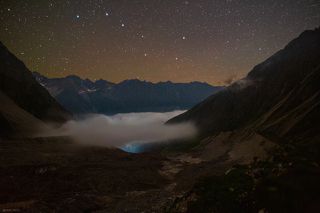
[
  {"x": 16, "y": 121},
  {"x": 84, "y": 96}
]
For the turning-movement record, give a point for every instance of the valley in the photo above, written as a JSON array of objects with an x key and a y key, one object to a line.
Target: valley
[{"x": 251, "y": 146}]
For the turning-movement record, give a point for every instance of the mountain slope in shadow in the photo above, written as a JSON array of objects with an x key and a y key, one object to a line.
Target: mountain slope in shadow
[
  {"x": 279, "y": 97},
  {"x": 24, "y": 103}
]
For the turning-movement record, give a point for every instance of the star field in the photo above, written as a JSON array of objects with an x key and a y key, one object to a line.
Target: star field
[{"x": 215, "y": 41}]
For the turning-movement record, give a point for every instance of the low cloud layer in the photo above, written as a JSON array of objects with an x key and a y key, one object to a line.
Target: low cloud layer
[{"x": 122, "y": 129}]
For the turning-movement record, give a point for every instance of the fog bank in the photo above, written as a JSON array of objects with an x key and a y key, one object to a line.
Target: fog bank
[{"x": 122, "y": 129}]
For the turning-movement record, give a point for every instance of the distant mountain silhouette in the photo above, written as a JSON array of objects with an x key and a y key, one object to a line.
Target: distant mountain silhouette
[
  {"x": 23, "y": 100},
  {"x": 84, "y": 96}
]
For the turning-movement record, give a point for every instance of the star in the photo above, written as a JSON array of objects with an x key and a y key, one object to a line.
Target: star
[{"x": 180, "y": 33}]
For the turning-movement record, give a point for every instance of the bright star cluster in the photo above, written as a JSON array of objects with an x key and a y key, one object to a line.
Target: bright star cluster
[{"x": 215, "y": 41}]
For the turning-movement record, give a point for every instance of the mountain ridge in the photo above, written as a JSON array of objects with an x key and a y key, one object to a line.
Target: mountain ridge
[
  {"x": 133, "y": 95},
  {"x": 265, "y": 86},
  {"x": 24, "y": 103}
]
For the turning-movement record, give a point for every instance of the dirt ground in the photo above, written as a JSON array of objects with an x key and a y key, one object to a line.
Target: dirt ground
[{"x": 54, "y": 174}]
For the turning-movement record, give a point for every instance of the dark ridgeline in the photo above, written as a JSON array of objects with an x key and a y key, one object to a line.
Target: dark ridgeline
[
  {"x": 18, "y": 83},
  {"x": 21, "y": 92},
  {"x": 84, "y": 96},
  {"x": 279, "y": 97}
]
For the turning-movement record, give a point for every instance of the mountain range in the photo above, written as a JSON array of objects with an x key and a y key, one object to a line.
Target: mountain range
[{"x": 85, "y": 96}]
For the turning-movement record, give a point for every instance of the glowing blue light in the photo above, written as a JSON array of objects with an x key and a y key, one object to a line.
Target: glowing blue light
[{"x": 133, "y": 148}]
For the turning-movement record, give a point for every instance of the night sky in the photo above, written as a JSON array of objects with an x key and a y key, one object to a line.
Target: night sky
[{"x": 156, "y": 40}]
